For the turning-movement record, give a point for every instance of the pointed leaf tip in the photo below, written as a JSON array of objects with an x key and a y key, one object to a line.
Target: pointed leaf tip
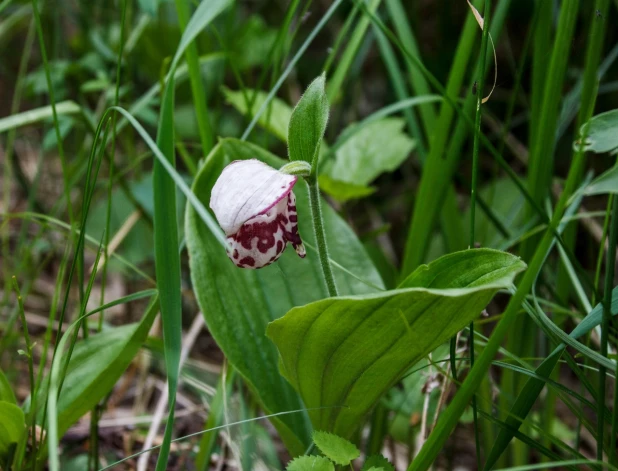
[{"x": 308, "y": 123}]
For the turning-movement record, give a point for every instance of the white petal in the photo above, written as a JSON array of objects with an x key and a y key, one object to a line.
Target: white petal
[
  {"x": 262, "y": 239},
  {"x": 245, "y": 189}
]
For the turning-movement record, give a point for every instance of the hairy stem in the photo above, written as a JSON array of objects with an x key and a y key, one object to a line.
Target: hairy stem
[{"x": 320, "y": 236}]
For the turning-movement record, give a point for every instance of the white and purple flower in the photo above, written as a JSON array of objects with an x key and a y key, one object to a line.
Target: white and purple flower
[{"x": 256, "y": 208}]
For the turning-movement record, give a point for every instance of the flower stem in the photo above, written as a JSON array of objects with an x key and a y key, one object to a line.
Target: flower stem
[{"x": 320, "y": 236}]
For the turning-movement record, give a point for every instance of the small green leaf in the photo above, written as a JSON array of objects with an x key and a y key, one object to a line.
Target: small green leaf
[
  {"x": 310, "y": 463},
  {"x": 602, "y": 134},
  {"x": 275, "y": 120},
  {"x": 343, "y": 191},
  {"x": 378, "y": 147},
  {"x": 6, "y": 392},
  {"x": 338, "y": 449},
  {"x": 12, "y": 426},
  {"x": 604, "y": 183},
  {"x": 308, "y": 123},
  {"x": 342, "y": 354},
  {"x": 377, "y": 462}
]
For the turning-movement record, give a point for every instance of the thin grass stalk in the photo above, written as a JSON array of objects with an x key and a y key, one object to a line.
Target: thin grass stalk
[
  {"x": 215, "y": 415},
  {"x": 450, "y": 417},
  {"x": 400, "y": 88},
  {"x": 590, "y": 88},
  {"x": 614, "y": 430},
  {"x": 290, "y": 67},
  {"x": 96, "y": 412},
  {"x": 28, "y": 354},
  {"x": 275, "y": 52},
  {"x": 610, "y": 268},
  {"x": 220, "y": 427},
  {"x": 8, "y": 156},
  {"x": 591, "y": 68},
  {"x": 475, "y": 170},
  {"x": 434, "y": 164},
  {"x": 541, "y": 46},
  {"x": 276, "y": 56},
  {"x": 419, "y": 83},
  {"x": 601, "y": 253},
  {"x": 52, "y": 100},
  {"x": 336, "y": 82},
  {"x": 197, "y": 85},
  {"x": 442, "y": 157},
  {"x": 167, "y": 247},
  {"x": 541, "y": 160},
  {"x": 81, "y": 235},
  {"x": 341, "y": 35}
]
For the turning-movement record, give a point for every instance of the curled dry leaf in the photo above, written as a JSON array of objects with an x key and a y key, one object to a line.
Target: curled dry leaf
[
  {"x": 256, "y": 208},
  {"x": 481, "y": 23}
]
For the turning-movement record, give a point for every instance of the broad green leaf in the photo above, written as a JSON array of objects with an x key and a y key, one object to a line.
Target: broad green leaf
[
  {"x": 276, "y": 119},
  {"x": 379, "y": 462},
  {"x": 380, "y": 146},
  {"x": 308, "y": 123},
  {"x": 310, "y": 463},
  {"x": 96, "y": 365},
  {"x": 605, "y": 183},
  {"x": 337, "y": 449},
  {"x": 6, "y": 392},
  {"x": 533, "y": 387},
  {"x": 12, "y": 426},
  {"x": 38, "y": 114},
  {"x": 238, "y": 304},
  {"x": 602, "y": 133},
  {"x": 343, "y": 191},
  {"x": 345, "y": 353}
]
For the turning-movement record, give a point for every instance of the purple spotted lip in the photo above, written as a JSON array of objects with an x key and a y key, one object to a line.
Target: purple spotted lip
[{"x": 256, "y": 208}]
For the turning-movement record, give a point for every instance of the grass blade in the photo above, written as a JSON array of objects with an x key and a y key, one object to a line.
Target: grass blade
[{"x": 167, "y": 256}]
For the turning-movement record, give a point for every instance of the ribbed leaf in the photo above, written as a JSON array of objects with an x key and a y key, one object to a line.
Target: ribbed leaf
[
  {"x": 345, "y": 353},
  {"x": 238, "y": 304}
]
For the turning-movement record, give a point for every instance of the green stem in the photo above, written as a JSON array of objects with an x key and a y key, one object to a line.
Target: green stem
[
  {"x": 320, "y": 236},
  {"x": 475, "y": 165},
  {"x": 24, "y": 324},
  {"x": 607, "y": 316},
  {"x": 52, "y": 99}
]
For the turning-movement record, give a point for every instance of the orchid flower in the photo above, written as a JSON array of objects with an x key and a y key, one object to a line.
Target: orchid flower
[{"x": 256, "y": 208}]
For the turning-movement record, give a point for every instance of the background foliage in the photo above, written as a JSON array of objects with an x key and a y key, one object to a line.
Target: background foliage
[{"x": 124, "y": 326}]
